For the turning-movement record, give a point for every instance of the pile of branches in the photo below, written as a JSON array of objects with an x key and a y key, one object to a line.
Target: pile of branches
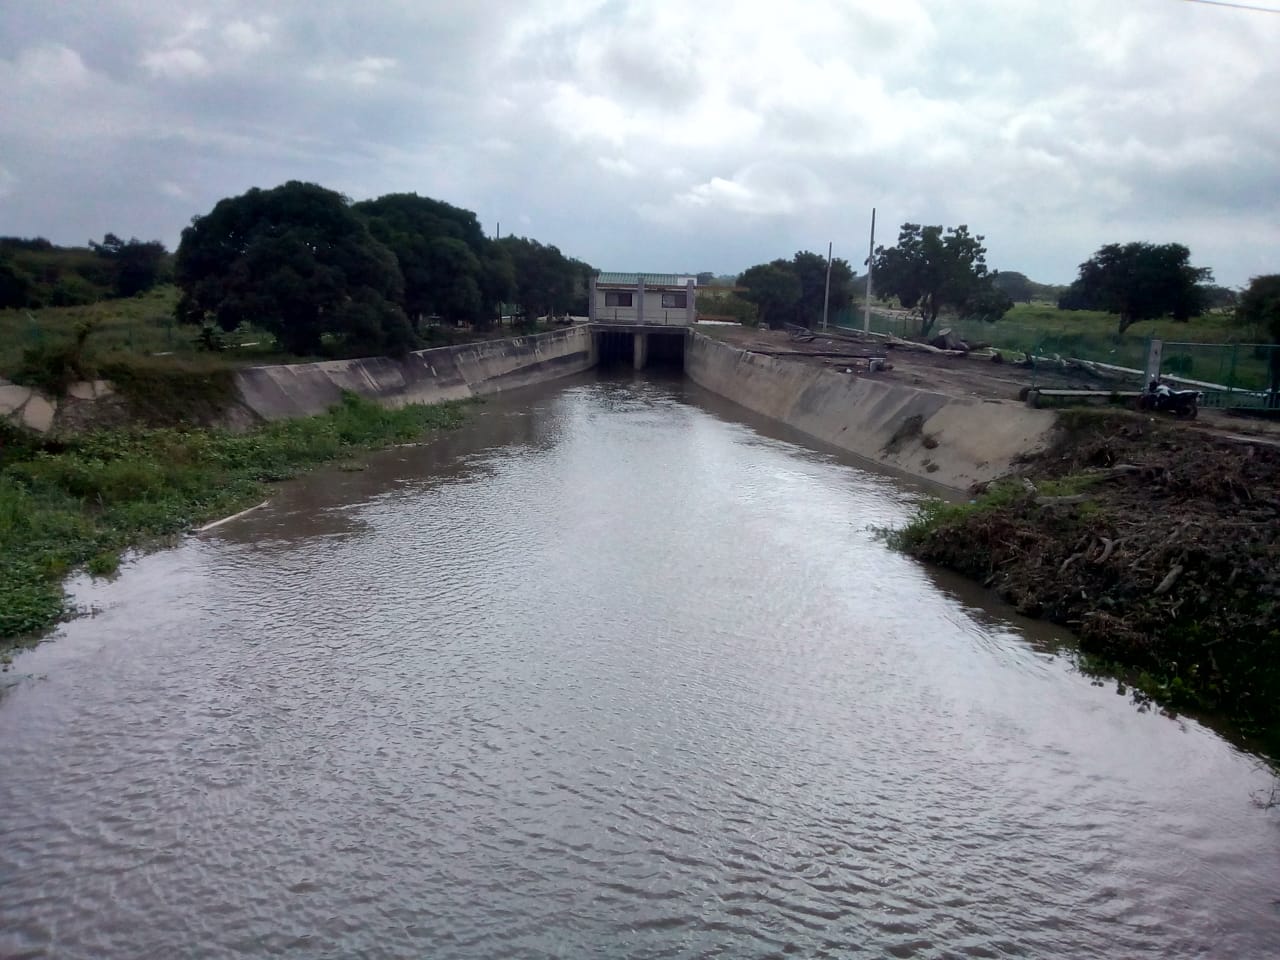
[{"x": 1159, "y": 548}]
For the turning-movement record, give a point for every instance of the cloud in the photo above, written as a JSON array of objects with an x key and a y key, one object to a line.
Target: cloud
[
  {"x": 177, "y": 63},
  {"x": 360, "y": 72},
  {"x": 759, "y": 190},
  {"x": 51, "y": 66},
  {"x": 245, "y": 37},
  {"x": 665, "y": 135}
]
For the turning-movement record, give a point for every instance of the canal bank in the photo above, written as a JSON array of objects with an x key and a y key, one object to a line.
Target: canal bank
[
  {"x": 242, "y": 396},
  {"x": 422, "y": 377},
  {"x": 950, "y": 441}
]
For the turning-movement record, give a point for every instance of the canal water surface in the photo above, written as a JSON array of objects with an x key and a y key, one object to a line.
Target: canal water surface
[{"x": 611, "y": 672}]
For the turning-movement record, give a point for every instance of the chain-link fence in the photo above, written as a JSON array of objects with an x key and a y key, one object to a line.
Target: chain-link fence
[{"x": 1241, "y": 375}]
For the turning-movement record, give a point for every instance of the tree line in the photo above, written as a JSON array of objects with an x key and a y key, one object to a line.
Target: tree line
[
  {"x": 36, "y": 273},
  {"x": 929, "y": 270},
  {"x": 311, "y": 267},
  {"x": 933, "y": 270}
]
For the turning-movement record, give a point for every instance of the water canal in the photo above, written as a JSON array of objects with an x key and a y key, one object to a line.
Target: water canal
[{"x": 610, "y": 672}]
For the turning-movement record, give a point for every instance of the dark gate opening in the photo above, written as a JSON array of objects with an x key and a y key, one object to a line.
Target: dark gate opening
[{"x": 659, "y": 349}]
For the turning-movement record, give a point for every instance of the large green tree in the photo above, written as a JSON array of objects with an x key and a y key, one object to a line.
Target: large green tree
[
  {"x": 442, "y": 252},
  {"x": 931, "y": 269},
  {"x": 775, "y": 290},
  {"x": 298, "y": 261},
  {"x": 1139, "y": 281},
  {"x": 546, "y": 281},
  {"x": 811, "y": 270},
  {"x": 1260, "y": 306},
  {"x": 780, "y": 301}
]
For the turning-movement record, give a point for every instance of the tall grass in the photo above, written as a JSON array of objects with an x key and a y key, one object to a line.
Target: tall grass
[
  {"x": 81, "y": 501},
  {"x": 141, "y": 325}
]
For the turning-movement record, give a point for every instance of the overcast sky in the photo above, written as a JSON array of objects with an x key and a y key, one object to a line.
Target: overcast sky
[{"x": 664, "y": 136}]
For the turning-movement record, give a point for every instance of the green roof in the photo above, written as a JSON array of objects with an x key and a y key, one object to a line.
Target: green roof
[{"x": 650, "y": 279}]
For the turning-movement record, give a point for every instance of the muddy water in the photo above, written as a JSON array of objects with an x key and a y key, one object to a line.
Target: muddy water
[{"x": 610, "y": 673}]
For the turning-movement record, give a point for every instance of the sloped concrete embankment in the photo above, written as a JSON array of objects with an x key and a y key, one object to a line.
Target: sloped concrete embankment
[
  {"x": 308, "y": 389},
  {"x": 954, "y": 442},
  {"x": 426, "y": 376}
]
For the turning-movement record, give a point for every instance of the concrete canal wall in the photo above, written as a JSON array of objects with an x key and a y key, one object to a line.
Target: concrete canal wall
[
  {"x": 425, "y": 376},
  {"x": 951, "y": 441}
]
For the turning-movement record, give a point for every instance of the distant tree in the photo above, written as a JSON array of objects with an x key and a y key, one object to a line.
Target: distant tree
[
  {"x": 296, "y": 260},
  {"x": 1047, "y": 292},
  {"x": 546, "y": 281},
  {"x": 1139, "y": 281},
  {"x": 15, "y": 285},
  {"x": 137, "y": 266},
  {"x": 775, "y": 290},
  {"x": 811, "y": 270},
  {"x": 26, "y": 243},
  {"x": 930, "y": 270},
  {"x": 1260, "y": 307},
  {"x": 1215, "y": 297},
  {"x": 498, "y": 279},
  {"x": 706, "y": 279},
  {"x": 1013, "y": 284}
]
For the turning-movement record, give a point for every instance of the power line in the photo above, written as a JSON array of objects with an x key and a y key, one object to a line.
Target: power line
[{"x": 1235, "y": 6}]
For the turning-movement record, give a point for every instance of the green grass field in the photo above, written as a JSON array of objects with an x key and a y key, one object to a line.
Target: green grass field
[{"x": 143, "y": 324}]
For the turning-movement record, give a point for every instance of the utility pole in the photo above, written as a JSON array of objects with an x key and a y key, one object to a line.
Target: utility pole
[
  {"x": 826, "y": 294},
  {"x": 871, "y": 254}
]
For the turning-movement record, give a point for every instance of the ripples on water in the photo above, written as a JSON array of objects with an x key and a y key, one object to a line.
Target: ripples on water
[{"x": 604, "y": 675}]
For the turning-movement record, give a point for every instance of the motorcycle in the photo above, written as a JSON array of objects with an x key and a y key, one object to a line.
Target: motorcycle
[{"x": 1160, "y": 397}]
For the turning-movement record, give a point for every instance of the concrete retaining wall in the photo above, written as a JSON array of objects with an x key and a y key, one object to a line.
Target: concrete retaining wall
[
  {"x": 425, "y": 376},
  {"x": 949, "y": 441}
]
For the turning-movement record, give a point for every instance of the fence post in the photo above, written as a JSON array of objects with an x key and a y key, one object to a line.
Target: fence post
[
  {"x": 1155, "y": 349},
  {"x": 1231, "y": 378}
]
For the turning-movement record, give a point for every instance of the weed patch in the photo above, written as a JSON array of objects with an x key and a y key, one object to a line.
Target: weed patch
[{"x": 81, "y": 501}]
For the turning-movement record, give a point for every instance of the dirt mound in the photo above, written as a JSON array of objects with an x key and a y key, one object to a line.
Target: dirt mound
[{"x": 1158, "y": 545}]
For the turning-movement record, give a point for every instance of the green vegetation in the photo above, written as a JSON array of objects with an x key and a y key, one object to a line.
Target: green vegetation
[
  {"x": 789, "y": 291},
  {"x": 931, "y": 270},
  {"x": 727, "y": 305},
  {"x": 37, "y": 347},
  {"x": 1140, "y": 281},
  {"x": 322, "y": 274},
  {"x": 1260, "y": 305},
  {"x": 140, "y": 325},
  {"x": 35, "y": 273},
  {"x": 80, "y": 501},
  {"x": 1155, "y": 546}
]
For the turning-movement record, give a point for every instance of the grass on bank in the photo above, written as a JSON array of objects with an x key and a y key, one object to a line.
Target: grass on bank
[
  {"x": 78, "y": 502},
  {"x": 144, "y": 327}
]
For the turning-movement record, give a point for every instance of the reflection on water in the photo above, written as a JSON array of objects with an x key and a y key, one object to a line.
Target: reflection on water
[{"x": 611, "y": 672}]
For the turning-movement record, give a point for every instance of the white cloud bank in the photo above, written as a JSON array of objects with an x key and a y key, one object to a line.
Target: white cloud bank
[{"x": 665, "y": 135}]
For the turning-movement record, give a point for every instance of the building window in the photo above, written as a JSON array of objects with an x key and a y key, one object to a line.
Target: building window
[
  {"x": 617, "y": 298},
  {"x": 675, "y": 301}
]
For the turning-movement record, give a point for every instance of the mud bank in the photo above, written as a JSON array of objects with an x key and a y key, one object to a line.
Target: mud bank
[
  {"x": 1159, "y": 546},
  {"x": 950, "y": 441},
  {"x": 422, "y": 377}
]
